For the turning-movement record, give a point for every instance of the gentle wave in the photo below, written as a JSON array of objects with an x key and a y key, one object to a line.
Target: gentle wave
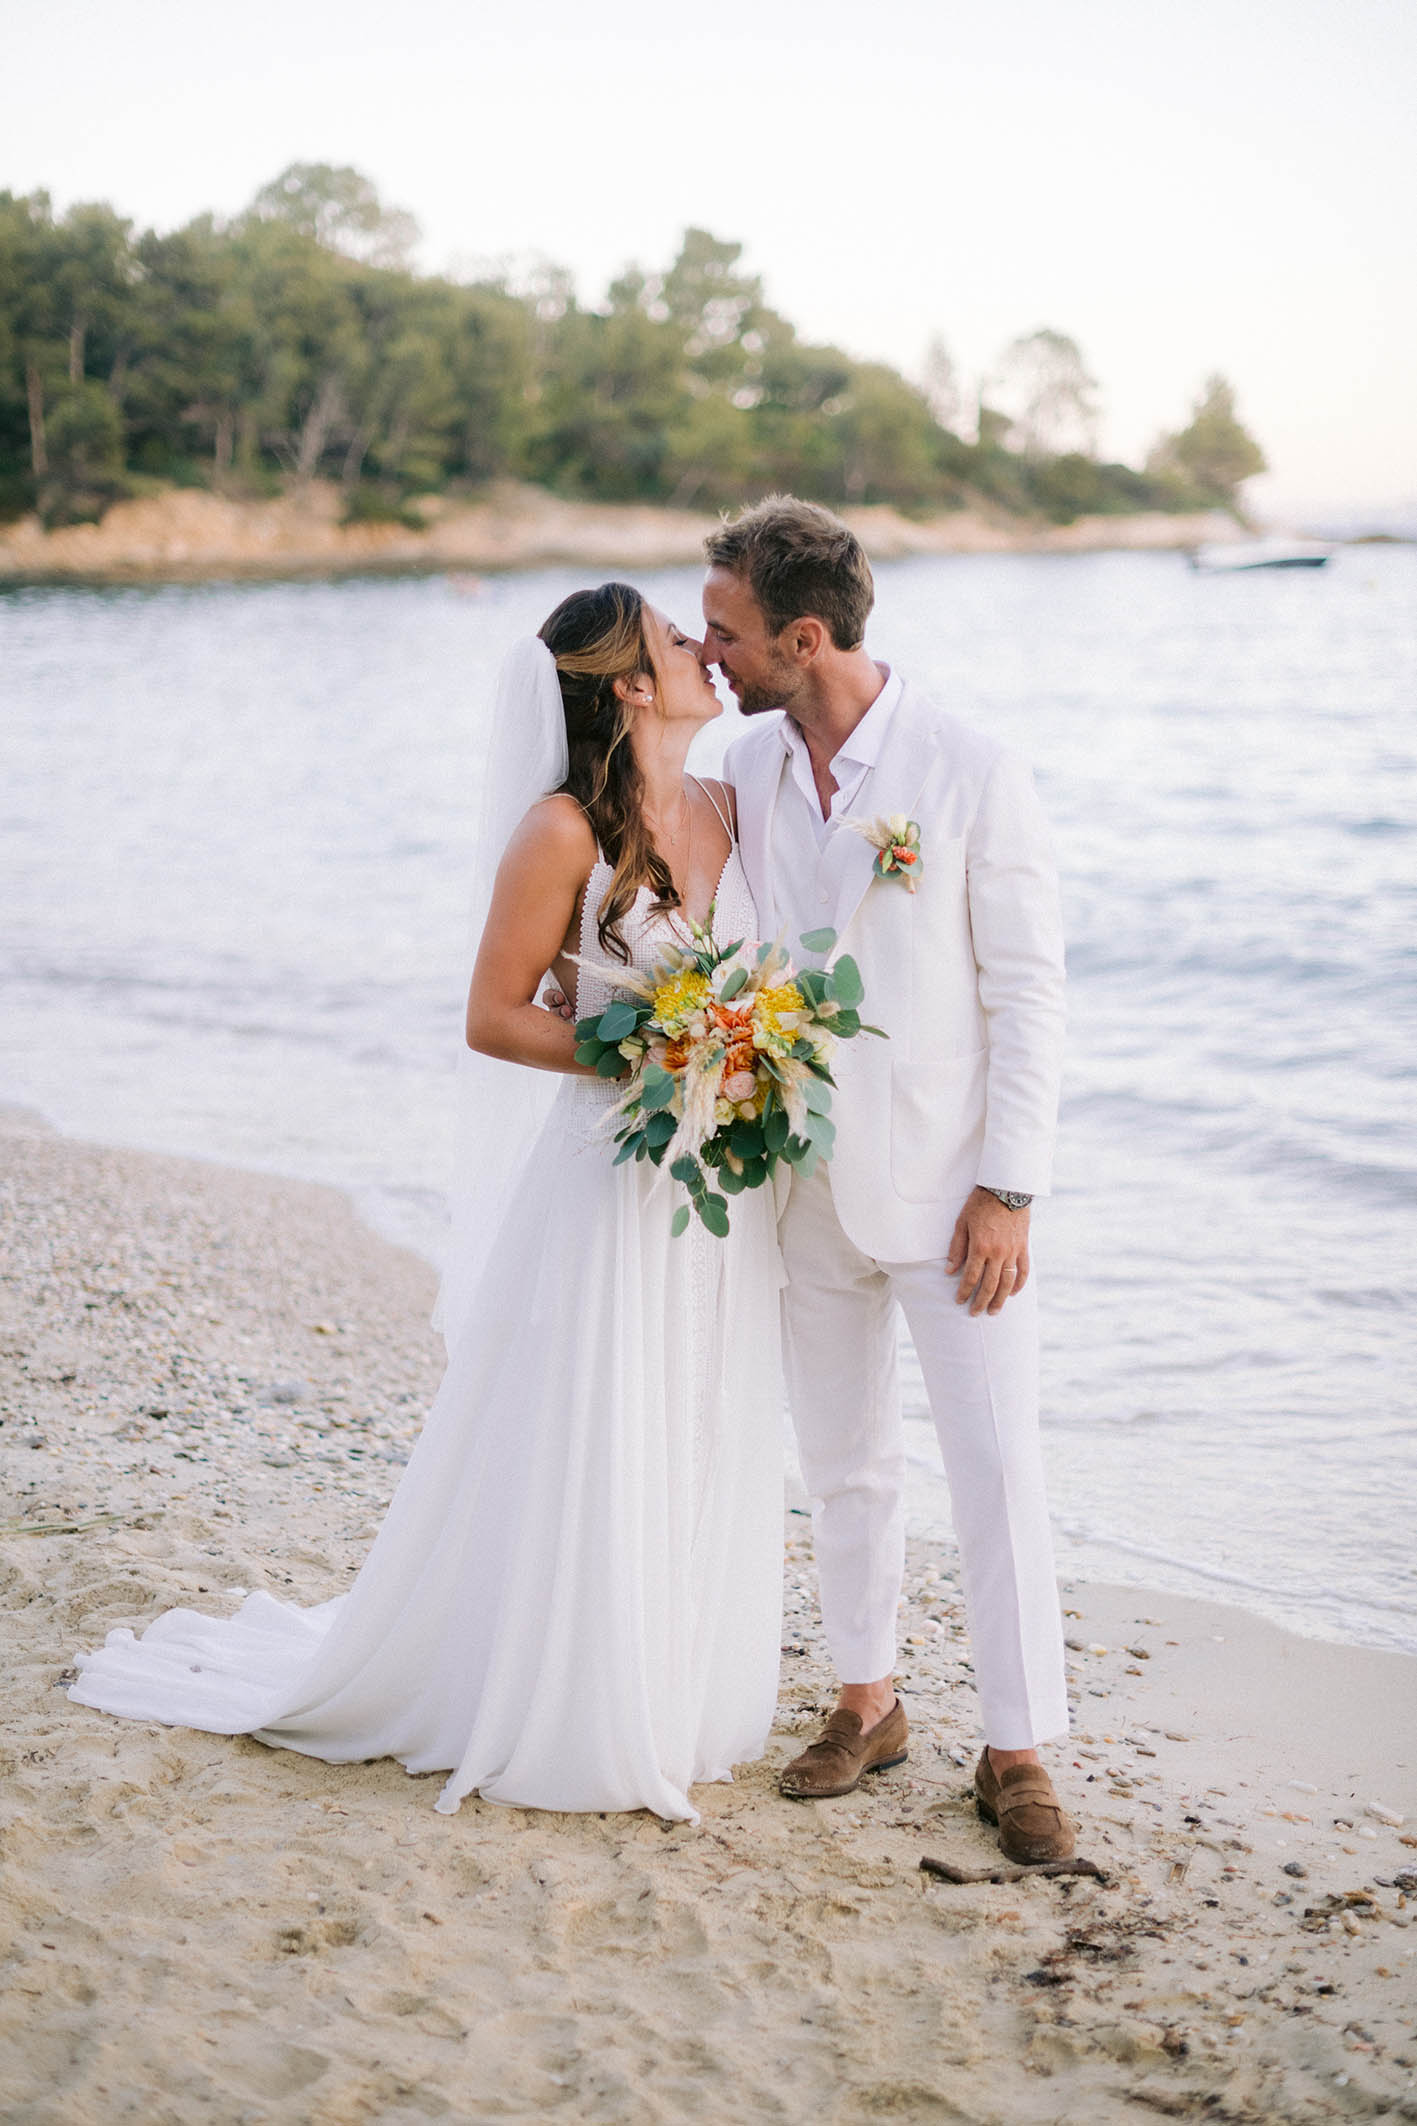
[{"x": 234, "y": 879}]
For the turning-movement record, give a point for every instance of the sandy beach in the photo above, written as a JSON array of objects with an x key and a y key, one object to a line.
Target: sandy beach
[
  {"x": 190, "y": 535},
  {"x": 208, "y": 1382}
]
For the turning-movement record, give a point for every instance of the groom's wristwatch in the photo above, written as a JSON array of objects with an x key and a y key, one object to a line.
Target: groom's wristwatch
[{"x": 1010, "y": 1198}]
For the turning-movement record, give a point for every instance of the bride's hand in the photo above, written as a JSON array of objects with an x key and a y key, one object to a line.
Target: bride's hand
[{"x": 553, "y": 999}]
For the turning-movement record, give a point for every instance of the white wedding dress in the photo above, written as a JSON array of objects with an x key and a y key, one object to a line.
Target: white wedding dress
[{"x": 575, "y": 1599}]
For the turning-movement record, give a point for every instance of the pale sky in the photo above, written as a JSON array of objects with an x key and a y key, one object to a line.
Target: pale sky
[{"x": 1209, "y": 184}]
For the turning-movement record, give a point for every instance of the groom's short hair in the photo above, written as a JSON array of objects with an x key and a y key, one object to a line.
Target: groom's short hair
[{"x": 797, "y": 559}]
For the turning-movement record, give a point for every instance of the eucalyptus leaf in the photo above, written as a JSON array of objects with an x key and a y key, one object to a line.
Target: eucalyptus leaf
[
  {"x": 611, "y": 1064},
  {"x": 732, "y": 1184},
  {"x": 659, "y": 1128},
  {"x": 589, "y": 1052},
  {"x": 847, "y": 986},
  {"x": 615, "y": 1022},
  {"x": 686, "y": 1170},
  {"x": 818, "y": 940},
  {"x": 679, "y": 1222},
  {"x": 775, "y": 1130},
  {"x": 657, "y": 1090},
  {"x": 817, "y": 1096},
  {"x": 714, "y": 1212},
  {"x": 736, "y": 981}
]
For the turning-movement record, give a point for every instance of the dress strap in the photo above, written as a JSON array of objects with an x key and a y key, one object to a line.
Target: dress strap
[{"x": 724, "y": 821}]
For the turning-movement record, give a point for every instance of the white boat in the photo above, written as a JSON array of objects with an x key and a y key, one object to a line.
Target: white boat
[{"x": 1225, "y": 556}]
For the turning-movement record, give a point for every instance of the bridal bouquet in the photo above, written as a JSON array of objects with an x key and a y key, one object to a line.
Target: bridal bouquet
[{"x": 728, "y": 1052}]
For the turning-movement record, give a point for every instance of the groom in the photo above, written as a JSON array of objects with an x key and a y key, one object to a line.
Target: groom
[{"x": 944, "y": 1135}]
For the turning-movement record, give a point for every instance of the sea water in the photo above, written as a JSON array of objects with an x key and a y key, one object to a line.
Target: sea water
[{"x": 235, "y": 834}]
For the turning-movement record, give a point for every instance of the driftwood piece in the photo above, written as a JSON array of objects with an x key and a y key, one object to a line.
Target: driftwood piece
[
  {"x": 948, "y": 1872},
  {"x": 20, "y": 1526}
]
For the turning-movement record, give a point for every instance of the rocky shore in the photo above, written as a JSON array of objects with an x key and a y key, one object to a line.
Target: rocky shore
[
  {"x": 188, "y": 534},
  {"x": 209, "y": 1380}
]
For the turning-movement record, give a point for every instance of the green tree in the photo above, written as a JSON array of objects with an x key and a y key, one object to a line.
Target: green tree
[
  {"x": 339, "y": 208},
  {"x": 494, "y": 365},
  {"x": 296, "y": 342},
  {"x": 192, "y": 357},
  {"x": 1214, "y": 452},
  {"x": 1043, "y": 383},
  {"x": 607, "y": 405},
  {"x": 85, "y": 449},
  {"x": 29, "y": 339},
  {"x": 65, "y": 289}
]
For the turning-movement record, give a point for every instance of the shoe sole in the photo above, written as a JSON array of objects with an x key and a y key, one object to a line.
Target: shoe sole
[{"x": 834, "y": 1793}]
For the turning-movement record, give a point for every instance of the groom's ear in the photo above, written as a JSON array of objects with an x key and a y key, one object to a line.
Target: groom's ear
[{"x": 806, "y": 638}]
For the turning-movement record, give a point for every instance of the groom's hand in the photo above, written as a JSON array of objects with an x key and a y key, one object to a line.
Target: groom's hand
[
  {"x": 989, "y": 1253},
  {"x": 553, "y": 999}
]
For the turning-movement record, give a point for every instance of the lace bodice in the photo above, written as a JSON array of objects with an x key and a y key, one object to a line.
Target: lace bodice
[{"x": 648, "y": 932}]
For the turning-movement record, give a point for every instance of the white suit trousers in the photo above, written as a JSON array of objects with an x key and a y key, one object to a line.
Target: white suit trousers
[{"x": 981, "y": 1375}]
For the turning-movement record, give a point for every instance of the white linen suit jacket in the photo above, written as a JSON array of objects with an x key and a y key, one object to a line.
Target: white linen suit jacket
[{"x": 965, "y": 975}]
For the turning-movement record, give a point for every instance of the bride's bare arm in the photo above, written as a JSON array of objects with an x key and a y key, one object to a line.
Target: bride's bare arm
[{"x": 534, "y": 902}]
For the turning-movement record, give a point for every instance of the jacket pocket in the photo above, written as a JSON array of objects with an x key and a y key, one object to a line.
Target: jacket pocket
[{"x": 937, "y": 1122}]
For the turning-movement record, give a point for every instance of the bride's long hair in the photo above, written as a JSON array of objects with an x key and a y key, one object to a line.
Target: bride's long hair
[{"x": 596, "y": 638}]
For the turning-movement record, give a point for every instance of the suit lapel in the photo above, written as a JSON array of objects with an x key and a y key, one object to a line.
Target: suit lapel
[
  {"x": 892, "y": 785},
  {"x": 757, "y": 802}
]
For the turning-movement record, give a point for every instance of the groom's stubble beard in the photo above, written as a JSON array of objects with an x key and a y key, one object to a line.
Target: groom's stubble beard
[
  {"x": 778, "y": 692},
  {"x": 756, "y": 701}
]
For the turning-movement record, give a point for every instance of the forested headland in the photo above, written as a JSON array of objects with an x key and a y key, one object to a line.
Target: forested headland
[{"x": 296, "y": 343}]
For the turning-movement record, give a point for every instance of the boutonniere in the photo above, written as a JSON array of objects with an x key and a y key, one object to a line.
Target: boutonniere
[{"x": 896, "y": 841}]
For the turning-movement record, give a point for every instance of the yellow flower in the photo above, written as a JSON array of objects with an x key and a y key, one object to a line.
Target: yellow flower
[
  {"x": 777, "y": 1016},
  {"x": 680, "y": 999}
]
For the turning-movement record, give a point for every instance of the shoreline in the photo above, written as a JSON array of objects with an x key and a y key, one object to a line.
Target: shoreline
[
  {"x": 209, "y": 1379},
  {"x": 1208, "y": 1587},
  {"x": 190, "y": 535}
]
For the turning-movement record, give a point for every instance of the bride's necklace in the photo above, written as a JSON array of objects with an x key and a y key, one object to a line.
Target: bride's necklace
[
  {"x": 669, "y": 839},
  {"x": 686, "y": 819}
]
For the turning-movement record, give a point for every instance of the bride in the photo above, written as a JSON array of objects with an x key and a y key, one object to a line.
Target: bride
[{"x": 575, "y": 1599}]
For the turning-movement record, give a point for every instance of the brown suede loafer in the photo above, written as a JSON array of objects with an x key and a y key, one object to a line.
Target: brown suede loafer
[
  {"x": 1021, "y": 1801},
  {"x": 837, "y": 1763}
]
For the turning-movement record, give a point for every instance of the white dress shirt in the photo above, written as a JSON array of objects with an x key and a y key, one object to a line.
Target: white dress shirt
[
  {"x": 806, "y": 846},
  {"x": 851, "y": 765}
]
